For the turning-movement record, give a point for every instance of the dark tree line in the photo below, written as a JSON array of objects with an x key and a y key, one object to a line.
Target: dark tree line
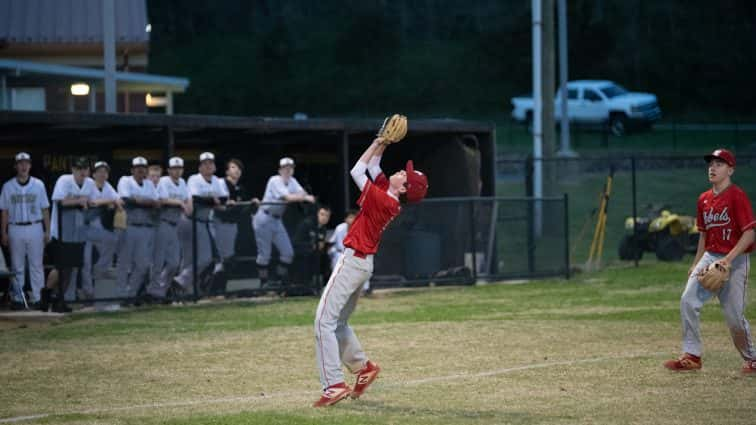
[{"x": 445, "y": 57}]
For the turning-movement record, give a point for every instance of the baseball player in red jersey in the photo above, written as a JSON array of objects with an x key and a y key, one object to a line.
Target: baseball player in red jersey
[
  {"x": 335, "y": 341},
  {"x": 726, "y": 223}
]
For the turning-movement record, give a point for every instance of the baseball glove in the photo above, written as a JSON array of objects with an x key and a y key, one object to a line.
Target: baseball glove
[
  {"x": 119, "y": 219},
  {"x": 714, "y": 276},
  {"x": 394, "y": 128}
]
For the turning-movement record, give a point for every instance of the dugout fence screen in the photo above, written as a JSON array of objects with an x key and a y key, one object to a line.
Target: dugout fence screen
[{"x": 441, "y": 241}]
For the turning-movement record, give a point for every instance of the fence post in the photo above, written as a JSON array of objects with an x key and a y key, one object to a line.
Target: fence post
[
  {"x": 531, "y": 235},
  {"x": 635, "y": 208},
  {"x": 472, "y": 243},
  {"x": 566, "y": 236},
  {"x": 195, "y": 287}
]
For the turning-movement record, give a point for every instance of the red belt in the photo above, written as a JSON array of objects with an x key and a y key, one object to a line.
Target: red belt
[{"x": 358, "y": 253}]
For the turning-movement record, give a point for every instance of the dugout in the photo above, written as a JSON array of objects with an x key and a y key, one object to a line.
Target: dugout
[{"x": 458, "y": 156}]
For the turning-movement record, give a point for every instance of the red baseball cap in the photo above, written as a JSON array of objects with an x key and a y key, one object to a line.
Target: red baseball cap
[
  {"x": 417, "y": 184},
  {"x": 722, "y": 154}
]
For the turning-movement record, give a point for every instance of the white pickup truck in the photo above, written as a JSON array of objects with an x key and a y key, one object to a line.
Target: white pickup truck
[{"x": 598, "y": 102}]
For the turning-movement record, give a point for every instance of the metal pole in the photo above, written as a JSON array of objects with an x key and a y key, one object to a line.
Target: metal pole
[
  {"x": 531, "y": 236},
  {"x": 169, "y": 103},
  {"x": 537, "y": 112},
  {"x": 109, "y": 59},
  {"x": 345, "y": 168},
  {"x": 635, "y": 209},
  {"x": 3, "y": 94},
  {"x": 472, "y": 243},
  {"x": 194, "y": 252},
  {"x": 566, "y": 236},
  {"x": 92, "y": 98},
  {"x": 565, "y": 149},
  {"x": 170, "y": 144}
]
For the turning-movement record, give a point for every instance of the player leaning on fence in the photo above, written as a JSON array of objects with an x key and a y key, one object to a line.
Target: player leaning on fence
[{"x": 726, "y": 224}]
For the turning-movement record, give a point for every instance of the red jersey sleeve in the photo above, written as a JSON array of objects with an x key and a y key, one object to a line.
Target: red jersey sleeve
[
  {"x": 382, "y": 182},
  {"x": 364, "y": 194},
  {"x": 744, "y": 212}
]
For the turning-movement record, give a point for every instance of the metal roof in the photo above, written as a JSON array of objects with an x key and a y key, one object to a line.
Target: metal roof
[
  {"x": 70, "y": 21},
  {"x": 134, "y": 80},
  {"x": 263, "y": 125}
]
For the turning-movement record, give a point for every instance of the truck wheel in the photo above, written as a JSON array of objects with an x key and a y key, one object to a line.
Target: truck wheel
[
  {"x": 669, "y": 248},
  {"x": 630, "y": 249},
  {"x": 617, "y": 124}
]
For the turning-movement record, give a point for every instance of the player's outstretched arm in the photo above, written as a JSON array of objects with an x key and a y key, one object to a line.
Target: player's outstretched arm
[
  {"x": 374, "y": 165},
  {"x": 358, "y": 171}
]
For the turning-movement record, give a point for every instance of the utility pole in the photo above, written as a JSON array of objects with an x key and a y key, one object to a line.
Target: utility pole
[
  {"x": 537, "y": 117},
  {"x": 108, "y": 41},
  {"x": 564, "y": 146},
  {"x": 548, "y": 85}
]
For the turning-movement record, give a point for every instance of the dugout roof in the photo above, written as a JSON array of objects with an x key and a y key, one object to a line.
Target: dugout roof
[{"x": 451, "y": 150}]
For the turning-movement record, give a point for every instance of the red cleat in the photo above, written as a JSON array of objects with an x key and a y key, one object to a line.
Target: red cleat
[
  {"x": 686, "y": 362},
  {"x": 333, "y": 394},
  {"x": 365, "y": 377},
  {"x": 749, "y": 367}
]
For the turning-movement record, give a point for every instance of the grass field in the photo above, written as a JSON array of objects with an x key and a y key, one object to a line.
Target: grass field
[{"x": 585, "y": 351}]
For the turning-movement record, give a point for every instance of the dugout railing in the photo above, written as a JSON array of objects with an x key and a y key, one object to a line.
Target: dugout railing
[{"x": 441, "y": 241}]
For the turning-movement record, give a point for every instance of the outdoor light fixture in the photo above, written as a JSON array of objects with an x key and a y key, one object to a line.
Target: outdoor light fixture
[
  {"x": 148, "y": 28},
  {"x": 79, "y": 89},
  {"x": 154, "y": 101}
]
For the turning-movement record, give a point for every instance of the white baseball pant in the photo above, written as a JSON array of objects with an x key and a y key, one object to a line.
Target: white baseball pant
[
  {"x": 271, "y": 231},
  {"x": 134, "y": 259},
  {"x": 103, "y": 242},
  {"x": 225, "y": 239},
  {"x": 205, "y": 235},
  {"x": 167, "y": 259},
  {"x": 27, "y": 241},
  {"x": 732, "y": 299},
  {"x": 335, "y": 341}
]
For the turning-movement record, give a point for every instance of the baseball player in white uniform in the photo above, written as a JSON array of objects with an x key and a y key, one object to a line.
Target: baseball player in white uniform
[
  {"x": 269, "y": 229},
  {"x": 208, "y": 193},
  {"x": 135, "y": 252},
  {"x": 101, "y": 236},
  {"x": 70, "y": 198},
  {"x": 174, "y": 200},
  {"x": 25, "y": 227}
]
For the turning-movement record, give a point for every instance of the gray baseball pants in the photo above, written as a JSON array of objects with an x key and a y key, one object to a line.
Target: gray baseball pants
[
  {"x": 335, "y": 341},
  {"x": 134, "y": 259},
  {"x": 225, "y": 239},
  {"x": 104, "y": 241},
  {"x": 732, "y": 298},
  {"x": 167, "y": 259},
  {"x": 205, "y": 233},
  {"x": 271, "y": 231},
  {"x": 27, "y": 242}
]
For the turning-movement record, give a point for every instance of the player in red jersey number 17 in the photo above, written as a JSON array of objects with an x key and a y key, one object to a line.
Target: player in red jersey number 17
[{"x": 726, "y": 225}]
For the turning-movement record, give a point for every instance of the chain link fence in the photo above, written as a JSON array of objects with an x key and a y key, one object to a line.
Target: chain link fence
[
  {"x": 441, "y": 241},
  {"x": 659, "y": 189}
]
